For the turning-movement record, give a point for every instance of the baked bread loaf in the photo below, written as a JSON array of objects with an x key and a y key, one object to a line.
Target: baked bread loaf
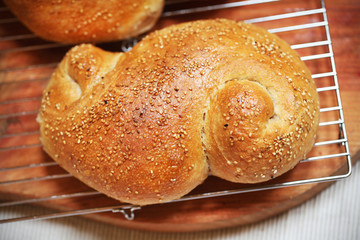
[
  {"x": 147, "y": 125},
  {"x": 69, "y": 21}
]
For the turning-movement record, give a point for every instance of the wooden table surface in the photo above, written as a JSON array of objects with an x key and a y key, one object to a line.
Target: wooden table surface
[
  {"x": 344, "y": 25},
  {"x": 344, "y": 21}
]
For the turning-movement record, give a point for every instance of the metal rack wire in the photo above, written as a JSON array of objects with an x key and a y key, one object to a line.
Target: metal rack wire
[{"x": 127, "y": 209}]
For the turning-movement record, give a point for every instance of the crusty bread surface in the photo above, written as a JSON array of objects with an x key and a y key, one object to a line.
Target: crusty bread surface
[
  {"x": 80, "y": 21},
  {"x": 148, "y": 125}
]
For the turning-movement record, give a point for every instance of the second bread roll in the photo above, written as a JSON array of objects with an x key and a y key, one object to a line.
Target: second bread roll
[{"x": 80, "y": 21}]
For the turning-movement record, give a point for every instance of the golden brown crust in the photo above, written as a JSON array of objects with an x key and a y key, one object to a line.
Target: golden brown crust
[
  {"x": 263, "y": 119},
  {"x": 81, "y": 21},
  {"x": 144, "y": 126}
]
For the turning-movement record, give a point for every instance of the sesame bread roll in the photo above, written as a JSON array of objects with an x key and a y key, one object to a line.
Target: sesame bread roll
[
  {"x": 146, "y": 126},
  {"x": 80, "y": 21}
]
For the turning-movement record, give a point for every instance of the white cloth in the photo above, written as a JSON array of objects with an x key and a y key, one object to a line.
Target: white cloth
[{"x": 332, "y": 214}]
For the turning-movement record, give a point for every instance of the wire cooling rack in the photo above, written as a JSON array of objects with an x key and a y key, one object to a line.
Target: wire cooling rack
[{"x": 20, "y": 147}]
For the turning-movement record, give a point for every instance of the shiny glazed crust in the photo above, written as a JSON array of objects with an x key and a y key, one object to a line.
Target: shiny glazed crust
[
  {"x": 145, "y": 126},
  {"x": 81, "y": 21}
]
